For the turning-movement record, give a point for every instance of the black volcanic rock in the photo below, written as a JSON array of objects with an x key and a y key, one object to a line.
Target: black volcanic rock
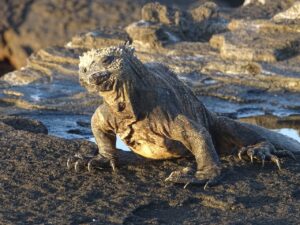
[{"x": 36, "y": 187}]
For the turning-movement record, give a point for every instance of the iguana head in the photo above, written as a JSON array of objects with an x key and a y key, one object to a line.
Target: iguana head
[
  {"x": 117, "y": 75},
  {"x": 103, "y": 70}
]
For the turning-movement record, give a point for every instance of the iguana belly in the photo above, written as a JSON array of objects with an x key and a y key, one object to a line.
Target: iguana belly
[
  {"x": 152, "y": 151},
  {"x": 154, "y": 147},
  {"x": 147, "y": 142}
]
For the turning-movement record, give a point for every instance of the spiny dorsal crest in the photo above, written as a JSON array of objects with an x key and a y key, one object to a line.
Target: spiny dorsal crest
[{"x": 93, "y": 55}]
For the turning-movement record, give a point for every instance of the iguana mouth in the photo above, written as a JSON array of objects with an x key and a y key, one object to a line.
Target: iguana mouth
[
  {"x": 102, "y": 80},
  {"x": 99, "y": 77}
]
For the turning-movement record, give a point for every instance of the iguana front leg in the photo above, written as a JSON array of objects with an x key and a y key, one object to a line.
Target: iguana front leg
[
  {"x": 106, "y": 141},
  {"x": 198, "y": 140}
]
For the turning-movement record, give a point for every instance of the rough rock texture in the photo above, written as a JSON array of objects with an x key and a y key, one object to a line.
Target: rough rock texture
[
  {"x": 21, "y": 32},
  {"x": 292, "y": 13},
  {"x": 258, "y": 41},
  {"x": 36, "y": 188},
  {"x": 20, "y": 123},
  {"x": 205, "y": 69},
  {"x": 252, "y": 57},
  {"x": 234, "y": 46},
  {"x": 161, "y": 25}
]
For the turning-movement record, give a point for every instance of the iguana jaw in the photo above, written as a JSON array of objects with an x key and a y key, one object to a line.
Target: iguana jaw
[{"x": 102, "y": 80}]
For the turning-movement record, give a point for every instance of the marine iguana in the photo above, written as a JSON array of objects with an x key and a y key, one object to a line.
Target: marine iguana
[{"x": 159, "y": 117}]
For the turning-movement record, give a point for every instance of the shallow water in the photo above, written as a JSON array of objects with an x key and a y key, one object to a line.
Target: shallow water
[
  {"x": 68, "y": 126},
  {"x": 292, "y": 133},
  {"x": 78, "y": 126},
  {"x": 119, "y": 144}
]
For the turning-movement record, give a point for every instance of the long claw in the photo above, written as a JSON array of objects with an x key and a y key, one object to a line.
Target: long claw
[
  {"x": 241, "y": 152},
  {"x": 213, "y": 181},
  {"x": 240, "y": 155},
  {"x": 275, "y": 159},
  {"x": 76, "y": 166},
  {"x": 68, "y": 164},
  {"x": 113, "y": 165},
  {"x": 89, "y": 165},
  {"x": 187, "y": 184},
  {"x": 206, "y": 186},
  {"x": 173, "y": 177},
  {"x": 250, "y": 153}
]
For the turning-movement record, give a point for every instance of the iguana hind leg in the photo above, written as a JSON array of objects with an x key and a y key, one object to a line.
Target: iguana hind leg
[
  {"x": 264, "y": 151},
  {"x": 252, "y": 143}
]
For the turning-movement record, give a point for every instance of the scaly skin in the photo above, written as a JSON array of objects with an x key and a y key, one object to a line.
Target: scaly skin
[{"x": 159, "y": 117}]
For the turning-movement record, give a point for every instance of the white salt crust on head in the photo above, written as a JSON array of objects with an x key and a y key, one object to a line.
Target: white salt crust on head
[{"x": 89, "y": 57}]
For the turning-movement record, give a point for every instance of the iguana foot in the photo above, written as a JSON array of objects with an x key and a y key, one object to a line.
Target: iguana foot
[
  {"x": 188, "y": 176},
  {"x": 265, "y": 151},
  {"x": 98, "y": 161}
]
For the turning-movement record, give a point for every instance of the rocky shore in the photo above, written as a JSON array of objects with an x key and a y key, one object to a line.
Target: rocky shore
[{"x": 242, "y": 62}]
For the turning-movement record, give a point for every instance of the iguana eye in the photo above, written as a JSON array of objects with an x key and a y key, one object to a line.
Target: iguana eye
[{"x": 107, "y": 60}]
